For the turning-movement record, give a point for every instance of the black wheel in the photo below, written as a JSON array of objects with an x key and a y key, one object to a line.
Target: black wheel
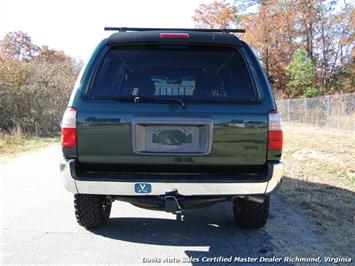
[
  {"x": 249, "y": 214},
  {"x": 92, "y": 210}
]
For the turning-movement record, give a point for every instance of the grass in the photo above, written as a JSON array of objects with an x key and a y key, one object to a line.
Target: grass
[
  {"x": 320, "y": 179},
  {"x": 320, "y": 155},
  {"x": 18, "y": 142}
]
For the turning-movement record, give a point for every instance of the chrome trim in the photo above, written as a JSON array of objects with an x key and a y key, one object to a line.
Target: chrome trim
[
  {"x": 186, "y": 189},
  {"x": 171, "y": 121},
  {"x": 66, "y": 177},
  {"x": 275, "y": 181}
]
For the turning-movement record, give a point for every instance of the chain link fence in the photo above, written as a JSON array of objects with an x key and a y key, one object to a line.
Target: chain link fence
[{"x": 332, "y": 111}]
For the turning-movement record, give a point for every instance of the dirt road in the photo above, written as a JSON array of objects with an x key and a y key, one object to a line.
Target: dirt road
[{"x": 38, "y": 226}]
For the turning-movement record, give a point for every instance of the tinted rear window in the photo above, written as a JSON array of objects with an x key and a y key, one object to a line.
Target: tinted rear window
[{"x": 184, "y": 71}]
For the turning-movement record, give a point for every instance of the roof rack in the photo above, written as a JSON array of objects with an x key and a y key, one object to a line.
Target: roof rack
[{"x": 124, "y": 29}]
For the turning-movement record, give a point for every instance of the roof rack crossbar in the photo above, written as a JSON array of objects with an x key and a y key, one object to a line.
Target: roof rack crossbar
[{"x": 124, "y": 29}]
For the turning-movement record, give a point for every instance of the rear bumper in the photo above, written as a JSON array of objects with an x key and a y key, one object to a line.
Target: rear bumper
[{"x": 125, "y": 188}]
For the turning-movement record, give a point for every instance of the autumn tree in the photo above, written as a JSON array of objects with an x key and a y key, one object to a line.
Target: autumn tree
[
  {"x": 18, "y": 45},
  {"x": 35, "y": 84},
  {"x": 270, "y": 32},
  {"x": 306, "y": 19},
  {"x": 276, "y": 28},
  {"x": 219, "y": 15},
  {"x": 335, "y": 40}
]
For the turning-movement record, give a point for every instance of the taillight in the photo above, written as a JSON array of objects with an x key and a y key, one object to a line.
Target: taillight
[
  {"x": 68, "y": 128},
  {"x": 174, "y": 35},
  {"x": 274, "y": 136}
]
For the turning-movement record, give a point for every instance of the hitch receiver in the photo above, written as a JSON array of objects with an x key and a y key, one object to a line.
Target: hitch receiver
[{"x": 171, "y": 202}]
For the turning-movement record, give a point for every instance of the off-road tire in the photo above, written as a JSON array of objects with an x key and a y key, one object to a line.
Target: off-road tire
[
  {"x": 249, "y": 214},
  {"x": 91, "y": 210}
]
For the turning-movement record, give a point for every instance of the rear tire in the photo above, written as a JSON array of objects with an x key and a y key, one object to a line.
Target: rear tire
[
  {"x": 249, "y": 214},
  {"x": 91, "y": 210}
]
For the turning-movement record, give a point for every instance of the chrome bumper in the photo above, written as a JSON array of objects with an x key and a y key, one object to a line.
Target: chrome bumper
[{"x": 160, "y": 188}]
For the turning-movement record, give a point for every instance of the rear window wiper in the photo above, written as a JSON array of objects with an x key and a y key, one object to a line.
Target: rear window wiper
[{"x": 146, "y": 99}]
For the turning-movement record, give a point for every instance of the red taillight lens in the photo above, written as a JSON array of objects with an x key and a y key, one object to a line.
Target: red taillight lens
[
  {"x": 274, "y": 137},
  {"x": 68, "y": 137},
  {"x": 275, "y": 140},
  {"x": 68, "y": 128},
  {"x": 174, "y": 35}
]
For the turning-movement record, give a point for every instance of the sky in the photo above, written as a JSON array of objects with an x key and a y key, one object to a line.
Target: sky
[{"x": 76, "y": 26}]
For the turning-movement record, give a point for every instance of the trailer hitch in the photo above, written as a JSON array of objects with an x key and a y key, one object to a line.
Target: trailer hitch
[{"x": 172, "y": 203}]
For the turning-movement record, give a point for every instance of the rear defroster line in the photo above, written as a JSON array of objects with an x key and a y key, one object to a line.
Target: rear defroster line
[{"x": 146, "y": 99}]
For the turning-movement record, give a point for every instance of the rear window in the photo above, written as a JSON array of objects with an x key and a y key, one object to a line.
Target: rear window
[{"x": 195, "y": 72}]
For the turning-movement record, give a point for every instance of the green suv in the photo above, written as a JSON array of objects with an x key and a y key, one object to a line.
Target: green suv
[{"x": 172, "y": 119}]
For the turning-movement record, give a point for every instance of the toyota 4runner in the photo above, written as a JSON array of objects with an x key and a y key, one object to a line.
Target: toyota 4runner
[{"x": 172, "y": 119}]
